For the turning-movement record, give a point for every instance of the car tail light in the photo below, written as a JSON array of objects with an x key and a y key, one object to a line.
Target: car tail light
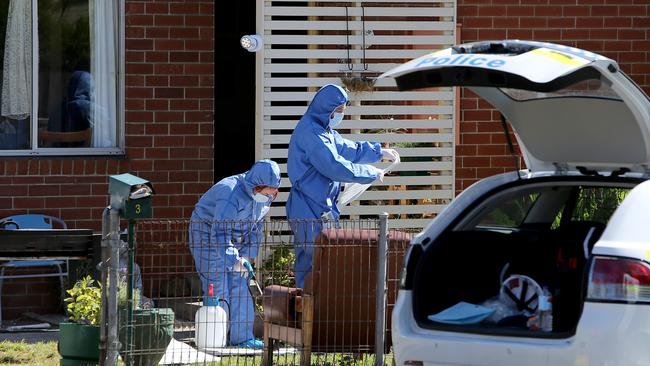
[{"x": 619, "y": 279}]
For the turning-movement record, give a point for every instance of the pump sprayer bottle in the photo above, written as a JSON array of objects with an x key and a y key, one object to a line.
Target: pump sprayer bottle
[
  {"x": 546, "y": 310},
  {"x": 211, "y": 323}
]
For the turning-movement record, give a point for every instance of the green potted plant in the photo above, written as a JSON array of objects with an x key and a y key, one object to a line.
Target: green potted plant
[
  {"x": 153, "y": 329},
  {"x": 79, "y": 338}
]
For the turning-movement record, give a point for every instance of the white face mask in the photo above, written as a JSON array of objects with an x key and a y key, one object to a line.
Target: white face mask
[
  {"x": 335, "y": 119},
  {"x": 261, "y": 198}
]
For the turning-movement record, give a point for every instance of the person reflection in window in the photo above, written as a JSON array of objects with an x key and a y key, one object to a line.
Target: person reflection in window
[{"x": 75, "y": 111}]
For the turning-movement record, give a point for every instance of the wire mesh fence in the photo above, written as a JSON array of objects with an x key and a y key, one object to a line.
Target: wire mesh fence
[{"x": 311, "y": 297}]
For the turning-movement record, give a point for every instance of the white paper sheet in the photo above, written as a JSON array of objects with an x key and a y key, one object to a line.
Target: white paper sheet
[
  {"x": 179, "y": 353},
  {"x": 354, "y": 190}
]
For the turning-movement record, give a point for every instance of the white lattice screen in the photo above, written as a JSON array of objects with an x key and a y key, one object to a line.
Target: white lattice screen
[{"x": 309, "y": 44}]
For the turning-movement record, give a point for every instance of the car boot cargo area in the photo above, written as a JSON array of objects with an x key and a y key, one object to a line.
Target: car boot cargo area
[{"x": 470, "y": 263}]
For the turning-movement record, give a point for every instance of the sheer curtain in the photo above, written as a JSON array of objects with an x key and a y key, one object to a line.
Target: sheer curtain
[
  {"x": 103, "y": 63},
  {"x": 17, "y": 68}
]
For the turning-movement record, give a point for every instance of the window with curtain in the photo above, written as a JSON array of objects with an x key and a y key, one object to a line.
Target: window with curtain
[{"x": 59, "y": 86}]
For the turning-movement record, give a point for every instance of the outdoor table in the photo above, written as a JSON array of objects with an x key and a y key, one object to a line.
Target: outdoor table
[{"x": 30, "y": 244}]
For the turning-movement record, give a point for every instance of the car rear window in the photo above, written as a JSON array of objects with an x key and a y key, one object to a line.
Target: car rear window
[
  {"x": 553, "y": 208},
  {"x": 598, "y": 203},
  {"x": 511, "y": 213}
]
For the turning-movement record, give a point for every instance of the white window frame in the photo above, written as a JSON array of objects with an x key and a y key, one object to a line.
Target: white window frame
[{"x": 120, "y": 101}]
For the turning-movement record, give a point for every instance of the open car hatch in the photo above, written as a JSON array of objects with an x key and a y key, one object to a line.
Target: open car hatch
[{"x": 571, "y": 109}]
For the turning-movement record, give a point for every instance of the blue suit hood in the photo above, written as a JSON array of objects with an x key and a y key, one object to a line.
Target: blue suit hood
[
  {"x": 324, "y": 103},
  {"x": 263, "y": 173}
]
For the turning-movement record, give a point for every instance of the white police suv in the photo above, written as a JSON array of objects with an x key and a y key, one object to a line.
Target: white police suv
[{"x": 547, "y": 265}]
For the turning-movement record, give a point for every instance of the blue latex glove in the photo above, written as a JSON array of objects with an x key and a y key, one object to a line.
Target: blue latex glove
[
  {"x": 249, "y": 268},
  {"x": 244, "y": 267}
]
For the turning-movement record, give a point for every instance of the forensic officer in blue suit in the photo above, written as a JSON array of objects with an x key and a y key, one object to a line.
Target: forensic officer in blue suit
[
  {"x": 225, "y": 232},
  {"x": 319, "y": 161}
]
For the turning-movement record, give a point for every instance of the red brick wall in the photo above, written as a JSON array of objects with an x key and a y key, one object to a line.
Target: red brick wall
[
  {"x": 616, "y": 29},
  {"x": 39, "y": 295},
  {"x": 169, "y": 135},
  {"x": 170, "y": 99}
]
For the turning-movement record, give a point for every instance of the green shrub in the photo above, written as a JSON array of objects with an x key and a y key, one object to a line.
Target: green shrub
[
  {"x": 122, "y": 295},
  {"x": 278, "y": 267},
  {"x": 84, "y": 303}
]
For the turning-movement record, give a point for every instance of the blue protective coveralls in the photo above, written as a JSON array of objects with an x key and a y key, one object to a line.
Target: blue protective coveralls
[
  {"x": 225, "y": 227},
  {"x": 319, "y": 160}
]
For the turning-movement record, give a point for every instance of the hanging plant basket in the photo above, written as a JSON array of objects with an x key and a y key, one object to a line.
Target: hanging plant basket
[{"x": 358, "y": 83}]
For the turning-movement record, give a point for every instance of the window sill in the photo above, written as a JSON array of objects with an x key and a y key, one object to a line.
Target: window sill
[{"x": 58, "y": 152}]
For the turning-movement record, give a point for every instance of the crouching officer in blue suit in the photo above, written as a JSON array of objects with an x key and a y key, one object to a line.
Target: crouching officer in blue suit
[{"x": 225, "y": 232}]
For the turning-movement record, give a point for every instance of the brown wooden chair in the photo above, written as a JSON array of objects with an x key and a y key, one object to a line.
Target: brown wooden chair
[
  {"x": 46, "y": 138},
  {"x": 335, "y": 312},
  {"x": 288, "y": 317}
]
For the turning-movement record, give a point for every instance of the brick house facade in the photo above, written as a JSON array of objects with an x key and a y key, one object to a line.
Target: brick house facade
[
  {"x": 169, "y": 114},
  {"x": 169, "y": 109}
]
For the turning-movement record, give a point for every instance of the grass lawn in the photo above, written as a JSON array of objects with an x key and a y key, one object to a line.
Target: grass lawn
[
  {"x": 46, "y": 354},
  {"x": 329, "y": 359},
  {"x": 21, "y": 353}
]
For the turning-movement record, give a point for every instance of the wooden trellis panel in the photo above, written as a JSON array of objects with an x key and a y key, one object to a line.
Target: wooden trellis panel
[{"x": 309, "y": 44}]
